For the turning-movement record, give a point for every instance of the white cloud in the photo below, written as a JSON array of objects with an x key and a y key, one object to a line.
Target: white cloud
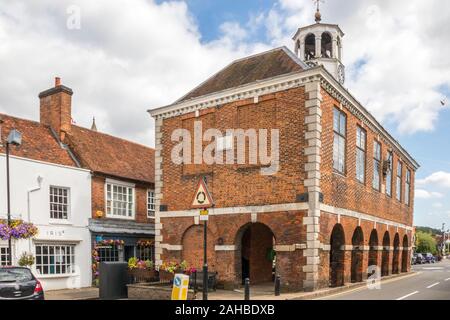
[
  {"x": 395, "y": 53},
  {"x": 440, "y": 178},
  {"x": 424, "y": 194},
  {"x": 128, "y": 56},
  {"x": 132, "y": 55},
  {"x": 437, "y": 205}
]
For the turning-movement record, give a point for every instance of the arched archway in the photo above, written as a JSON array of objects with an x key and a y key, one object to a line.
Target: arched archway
[
  {"x": 254, "y": 255},
  {"x": 396, "y": 254},
  {"x": 405, "y": 256},
  {"x": 373, "y": 250},
  {"x": 357, "y": 255},
  {"x": 385, "y": 254},
  {"x": 337, "y": 256},
  {"x": 192, "y": 253},
  {"x": 310, "y": 47},
  {"x": 327, "y": 45}
]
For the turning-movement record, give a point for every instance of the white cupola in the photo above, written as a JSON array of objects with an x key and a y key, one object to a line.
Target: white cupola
[{"x": 321, "y": 44}]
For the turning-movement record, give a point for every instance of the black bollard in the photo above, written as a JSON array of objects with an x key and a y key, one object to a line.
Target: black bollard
[
  {"x": 277, "y": 286},
  {"x": 247, "y": 289}
]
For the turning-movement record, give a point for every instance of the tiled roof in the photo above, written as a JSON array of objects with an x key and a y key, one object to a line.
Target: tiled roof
[
  {"x": 38, "y": 142},
  {"x": 113, "y": 156},
  {"x": 250, "y": 69}
]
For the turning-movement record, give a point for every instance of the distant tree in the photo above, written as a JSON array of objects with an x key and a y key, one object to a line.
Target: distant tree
[
  {"x": 425, "y": 243},
  {"x": 432, "y": 231}
]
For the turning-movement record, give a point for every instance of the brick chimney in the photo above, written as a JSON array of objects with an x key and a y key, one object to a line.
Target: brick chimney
[{"x": 56, "y": 108}]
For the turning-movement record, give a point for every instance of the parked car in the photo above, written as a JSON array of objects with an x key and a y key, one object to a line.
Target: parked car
[
  {"x": 418, "y": 258},
  {"x": 429, "y": 258},
  {"x": 17, "y": 283}
]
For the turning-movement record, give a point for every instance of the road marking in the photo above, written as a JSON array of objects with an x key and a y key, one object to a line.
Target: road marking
[
  {"x": 434, "y": 284},
  {"x": 408, "y": 295},
  {"x": 433, "y": 268},
  {"x": 447, "y": 279},
  {"x": 361, "y": 288}
]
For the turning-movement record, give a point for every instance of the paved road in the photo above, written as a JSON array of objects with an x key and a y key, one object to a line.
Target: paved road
[{"x": 431, "y": 283}]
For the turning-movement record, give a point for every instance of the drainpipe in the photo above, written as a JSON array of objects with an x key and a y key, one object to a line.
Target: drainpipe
[{"x": 39, "y": 180}]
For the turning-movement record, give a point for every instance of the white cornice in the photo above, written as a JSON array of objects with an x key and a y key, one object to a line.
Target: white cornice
[{"x": 281, "y": 83}]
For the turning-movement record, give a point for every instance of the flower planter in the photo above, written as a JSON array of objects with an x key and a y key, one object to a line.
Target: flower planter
[
  {"x": 142, "y": 275},
  {"x": 167, "y": 277}
]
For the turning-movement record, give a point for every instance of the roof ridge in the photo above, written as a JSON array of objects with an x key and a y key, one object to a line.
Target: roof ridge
[
  {"x": 115, "y": 137},
  {"x": 22, "y": 119},
  {"x": 283, "y": 48}
]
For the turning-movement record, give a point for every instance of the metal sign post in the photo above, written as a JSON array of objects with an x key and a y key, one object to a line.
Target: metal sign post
[
  {"x": 205, "y": 257},
  {"x": 203, "y": 200}
]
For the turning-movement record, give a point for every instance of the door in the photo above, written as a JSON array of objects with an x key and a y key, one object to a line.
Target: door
[{"x": 129, "y": 252}]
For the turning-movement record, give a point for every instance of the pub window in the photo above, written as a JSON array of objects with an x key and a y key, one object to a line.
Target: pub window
[
  {"x": 108, "y": 253},
  {"x": 376, "y": 165},
  {"x": 399, "y": 181},
  {"x": 119, "y": 201},
  {"x": 340, "y": 133},
  {"x": 360, "y": 154},
  {"x": 151, "y": 203}
]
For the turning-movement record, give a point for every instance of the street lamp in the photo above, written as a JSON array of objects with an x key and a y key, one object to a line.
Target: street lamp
[{"x": 15, "y": 139}]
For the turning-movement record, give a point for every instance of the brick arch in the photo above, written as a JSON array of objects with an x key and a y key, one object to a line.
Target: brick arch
[
  {"x": 405, "y": 255},
  {"x": 337, "y": 256},
  {"x": 192, "y": 242},
  {"x": 396, "y": 254},
  {"x": 357, "y": 255},
  {"x": 253, "y": 242},
  {"x": 385, "y": 254},
  {"x": 373, "y": 250}
]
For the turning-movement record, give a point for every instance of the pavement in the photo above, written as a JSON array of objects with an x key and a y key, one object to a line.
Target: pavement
[
  {"x": 266, "y": 291},
  {"x": 430, "y": 282},
  {"x": 72, "y": 294},
  {"x": 425, "y": 282}
]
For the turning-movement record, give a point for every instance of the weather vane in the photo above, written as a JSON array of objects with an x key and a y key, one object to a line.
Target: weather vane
[{"x": 318, "y": 15}]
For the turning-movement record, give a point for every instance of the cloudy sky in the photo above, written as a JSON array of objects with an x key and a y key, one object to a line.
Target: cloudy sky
[{"x": 123, "y": 57}]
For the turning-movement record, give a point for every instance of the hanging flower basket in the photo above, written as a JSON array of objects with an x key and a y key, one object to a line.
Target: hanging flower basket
[{"x": 18, "y": 229}]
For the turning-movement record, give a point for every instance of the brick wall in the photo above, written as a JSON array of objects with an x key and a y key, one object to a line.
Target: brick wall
[
  {"x": 302, "y": 238},
  {"x": 98, "y": 199},
  {"x": 345, "y": 191},
  {"x": 241, "y": 185}
]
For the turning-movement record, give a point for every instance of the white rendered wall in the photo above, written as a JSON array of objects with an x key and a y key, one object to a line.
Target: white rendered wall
[{"x": 23, "y": 175}]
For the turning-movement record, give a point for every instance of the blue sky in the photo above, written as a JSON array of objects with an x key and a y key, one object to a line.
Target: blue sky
[{"x": 132, "y": 55}]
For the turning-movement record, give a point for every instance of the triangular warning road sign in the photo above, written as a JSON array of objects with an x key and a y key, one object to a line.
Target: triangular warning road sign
[{"x": 202, "y": 197}]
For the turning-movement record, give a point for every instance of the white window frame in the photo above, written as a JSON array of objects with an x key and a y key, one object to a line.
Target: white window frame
[
  {"x": 4, "y": 256},
  {"x": 68, "y": 204},
  {"x": 150, "y": 204},
  {"x": 120, "y": 184},
  {"x": 71, "y": 266}
]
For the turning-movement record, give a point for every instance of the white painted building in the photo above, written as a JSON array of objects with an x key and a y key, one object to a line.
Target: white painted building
[{"x": 51, "y": 191}]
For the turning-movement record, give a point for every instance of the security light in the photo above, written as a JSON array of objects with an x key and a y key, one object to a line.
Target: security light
[{"x": 15, "y": 138}]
